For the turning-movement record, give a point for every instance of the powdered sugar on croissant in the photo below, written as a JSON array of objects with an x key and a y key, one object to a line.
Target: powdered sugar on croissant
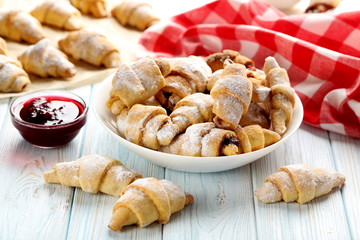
[
  {"x": 298, "y": 182},
  {"x": 45, "y": 60}
]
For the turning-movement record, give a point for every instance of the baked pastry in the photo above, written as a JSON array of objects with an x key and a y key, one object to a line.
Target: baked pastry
[
  {"x": 93, "y": 173},
  {"x": 148, "y": 200},
  {"x": 298, "y": 182},
  {"x": 216, "y": 60},
  {"x": 254, "y": 137},
  {"x": 204, "y": 140},
  {"x": 60, "y": 14},
  {"x": 283, "y": 95},
  {"x": 260, "y": 93},
  {"x": 3, "y": 47},
  {"x": 91, "y": 47},
  {"x": 136, "y": 82},
  {"x": 44, "y": 60},
  {"x": 20, "y": 26},
  {"x": 135, "y": 13},
  {"x": 140, "y": 124},
  {"x": 188, "y": 75},
  {"x": 192, "y": 109},
  {"x": 12, "y": 77},
  {"x": 232, "y": 94},
  {"x": 319, "y": 6},
  {"x": 96, "y": 8},
  {"x": 256, "y": 115}
]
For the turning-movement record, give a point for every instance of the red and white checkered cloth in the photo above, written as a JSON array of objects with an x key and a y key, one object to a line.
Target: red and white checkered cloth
[{"x": 321, "y": 52}]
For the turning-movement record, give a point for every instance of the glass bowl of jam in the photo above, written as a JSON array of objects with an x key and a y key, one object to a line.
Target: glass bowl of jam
[{"x": 50, "y": 118}]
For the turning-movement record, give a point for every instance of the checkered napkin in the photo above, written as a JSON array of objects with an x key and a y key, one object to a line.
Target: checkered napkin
[{"x": 321, "y": 52}]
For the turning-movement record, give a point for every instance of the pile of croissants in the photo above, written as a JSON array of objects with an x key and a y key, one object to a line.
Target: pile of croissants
[
  {"x": 43, "y": 59},
  {"x": 219, "y": 105},
  {"x": 142, "y": 201}
]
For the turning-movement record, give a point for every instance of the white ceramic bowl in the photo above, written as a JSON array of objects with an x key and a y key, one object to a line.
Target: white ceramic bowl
[{"x": 185, "y": 163}]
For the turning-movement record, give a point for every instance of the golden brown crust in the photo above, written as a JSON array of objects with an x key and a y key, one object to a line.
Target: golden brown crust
[
  {"x": 20, "y": 26},
  {"x": 95, "y": 8},
  {"x": 91, "y": 47},
  {"x": 216, "y": 60},
  {"x": 93, "y": 173},
  {"x": 12, "y": 77},
  {"x": 148, "y": 200},
  {"x": 58, "y": 14},
  {"x": 135, "y": 13},
  {"x": 298, "y": 182},
  {"x": 44, "y": 60},
  {"x": 3, "y": 47}
]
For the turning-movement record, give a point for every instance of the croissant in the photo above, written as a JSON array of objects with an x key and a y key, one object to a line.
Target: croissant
[
  {"x": 140, "y": 124},
  {"x": 319, "y": 6},
  {"x": 96, "y": 8},
  {"x": 204, "y": 140},
  {"x": 188, "y": 75},
  {"x": 283, "y": 95},
  {"x": 192, "y": 109},
  {"x": 216, "y": 60},
  {"x": 12, "y": 77},
  {"x": 232, "y": 94},
  {"x": 135, "y": 13},
  {"x": 298, "y": 182},
  {"x": 148, "y": 200},
  {"x": 93, "y": 173},
  {"x": 3, "y": 47},
  {"x": 91, "y": 47},
  {"x": 60, "y": 14},
  {"x": 44, "y": 60},
  {"x": 20, "y": 26},
  {"x": 254, "y": 137},
  {"x": 256, "y": 115},
  {"x": 137, "y": 82},
  {"x": 260, "y": 93}
]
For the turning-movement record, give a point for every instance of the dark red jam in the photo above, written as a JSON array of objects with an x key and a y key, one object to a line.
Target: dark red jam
[
  {"x": 51, "y": 110},
  {"x": 49, "y": 121}
]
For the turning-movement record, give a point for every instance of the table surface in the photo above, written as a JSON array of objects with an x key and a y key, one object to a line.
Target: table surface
[{"x": 224, "y": 206}]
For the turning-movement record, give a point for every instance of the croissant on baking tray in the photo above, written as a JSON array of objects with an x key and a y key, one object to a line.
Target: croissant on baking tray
[
  {"x": 192, "y": 109},
  {"x": 137, "y": 82},
  {"x": 216, "y": 60},
  {"x": 95, "y": 8},
  {"x": 148, "y": 200},
  {"x": 135, "y": 13},
  {"x": 20, "y": 26},
  {"x": 44, "y": 60},
  {"x": 204, "y": 140},
  {"x": 283, "y": 95},
  {"x": 319, "y": 6},
  {"x": 12, "y": 77},
  {"x": 232, "y": 95},
  {"x": 3, "y": 47},
  {"x": 188, "y": 75},
  {"x": 298, "y": 182},
  {"x": 140, "y": 124},
  {"x": 93, "y": 173},
  {"x": 91, "y": 47},
  {"x": 60, "y": 14}
]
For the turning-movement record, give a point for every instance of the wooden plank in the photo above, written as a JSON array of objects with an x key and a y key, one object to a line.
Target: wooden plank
[
  {"x": 223, "y": 206},
  {"x": 90, "y": 213},
  {"x": 322, "y": 218},
  {"x": 4, "y": 111},
  {"x": 346, "y": 152},
  {"x": 31, "y": 208}
]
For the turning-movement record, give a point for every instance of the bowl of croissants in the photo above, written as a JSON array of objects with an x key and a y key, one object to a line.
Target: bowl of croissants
[{"x": 199, "y": 114}]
